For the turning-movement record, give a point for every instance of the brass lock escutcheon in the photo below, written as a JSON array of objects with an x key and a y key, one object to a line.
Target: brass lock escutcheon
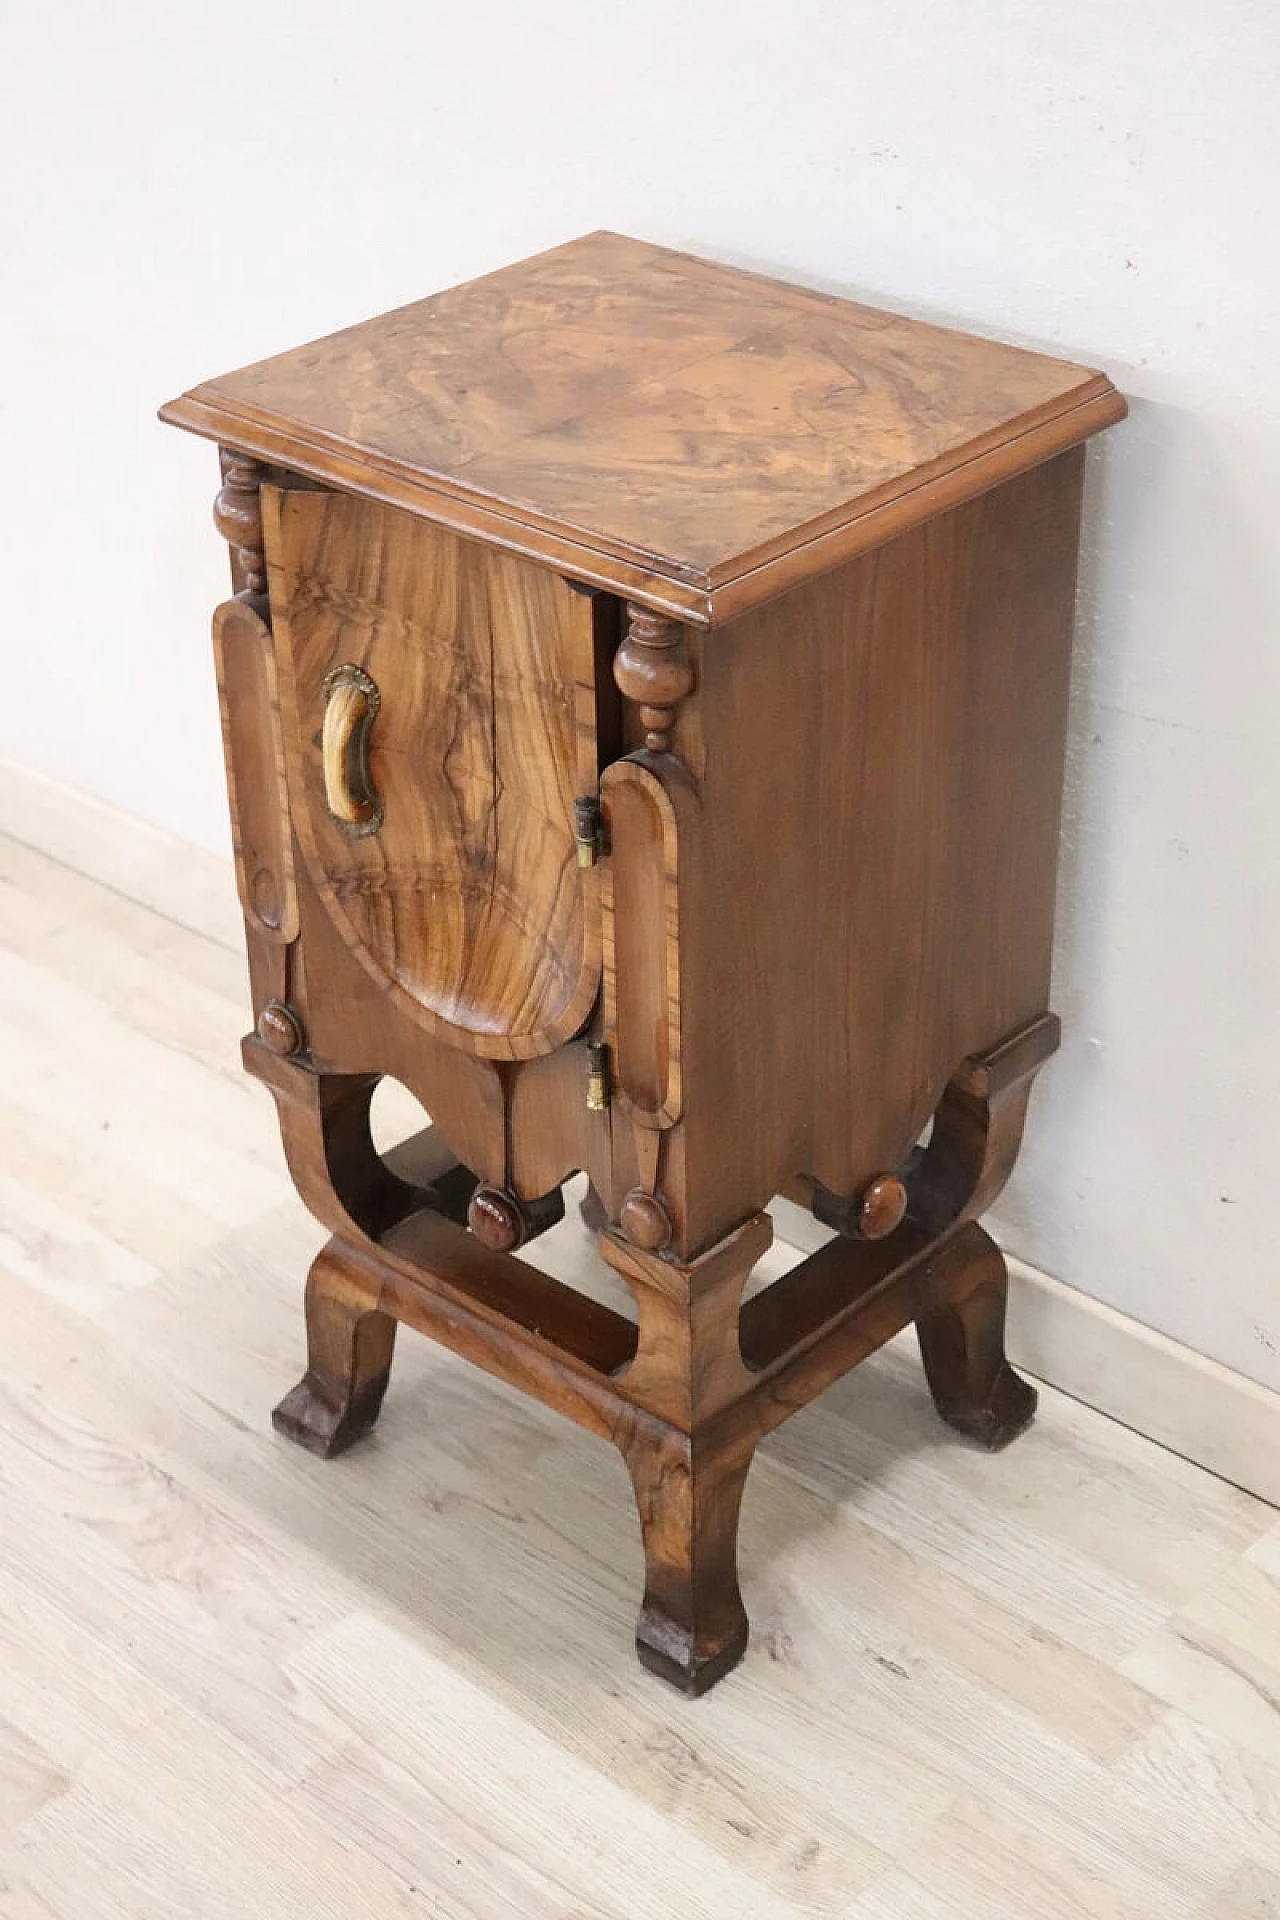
[{"x": 351, "y": 702}]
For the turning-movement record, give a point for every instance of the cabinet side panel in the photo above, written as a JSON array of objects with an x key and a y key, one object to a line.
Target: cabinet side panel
[{"x": 878, "y": 845}]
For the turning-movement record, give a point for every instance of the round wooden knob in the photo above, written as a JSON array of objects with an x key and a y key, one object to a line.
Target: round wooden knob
[
  {"x": 644, "y": 1221},
  {"x": 280, "y": 1029},
  {"x": 495, "y": 1219},
  {"x": 883, "y": 1205}
]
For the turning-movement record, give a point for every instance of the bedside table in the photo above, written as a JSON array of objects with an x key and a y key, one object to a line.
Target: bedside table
[{"x": 644, "y": 701}]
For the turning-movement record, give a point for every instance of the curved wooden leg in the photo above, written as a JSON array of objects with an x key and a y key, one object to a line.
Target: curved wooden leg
[
  {"x": 962, "y": 1344},
  {"x": 693, "y": 1626},
  {"x": 349, "y": 1347},
  {"x": 339, "y": 1173}
]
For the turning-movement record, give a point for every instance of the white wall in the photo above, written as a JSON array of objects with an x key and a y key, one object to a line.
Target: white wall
[{"x": 193, "y": 187}]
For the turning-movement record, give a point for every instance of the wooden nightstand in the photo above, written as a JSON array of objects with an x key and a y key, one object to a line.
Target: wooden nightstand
[{"x": 644, "y": 701}]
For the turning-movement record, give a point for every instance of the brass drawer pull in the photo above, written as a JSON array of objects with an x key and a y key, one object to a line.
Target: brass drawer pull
[{"x": 351, "y": 705}]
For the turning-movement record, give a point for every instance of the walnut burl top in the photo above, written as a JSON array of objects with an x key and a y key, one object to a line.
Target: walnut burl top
[{"x": 691, "y": 436}]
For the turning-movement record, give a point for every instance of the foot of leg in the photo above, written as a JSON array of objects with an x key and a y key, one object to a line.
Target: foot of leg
[
  {"x": 962, "y": 1344},
  {"x": 692, "y": 1627},
  {"x": 349, "y": 1346}
]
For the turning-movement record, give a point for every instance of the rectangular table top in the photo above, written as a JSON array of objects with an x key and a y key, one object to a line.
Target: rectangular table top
[{"x": 691, "y": 436}]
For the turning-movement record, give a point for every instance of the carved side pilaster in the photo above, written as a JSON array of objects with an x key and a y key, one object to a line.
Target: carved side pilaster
[
  {"x": 653, "y": 671},
  {"x": 248, "y": 695}
]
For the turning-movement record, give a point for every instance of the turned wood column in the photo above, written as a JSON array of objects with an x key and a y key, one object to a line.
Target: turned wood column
[
  {"x": 237, "y": 514},
  {"x": 653, "y": 671}
]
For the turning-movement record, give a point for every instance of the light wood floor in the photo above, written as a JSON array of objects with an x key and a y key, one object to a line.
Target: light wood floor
[{"x": 236, "y": 1682}]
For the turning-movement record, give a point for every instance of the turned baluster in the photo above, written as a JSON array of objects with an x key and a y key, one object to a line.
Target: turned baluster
[
  {"x": 237, "y": 514},
  {"x": 653, "y": 671}
]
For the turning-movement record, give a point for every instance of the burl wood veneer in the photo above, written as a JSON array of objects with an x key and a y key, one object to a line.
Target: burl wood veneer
[{"x": 644, "y": 698}]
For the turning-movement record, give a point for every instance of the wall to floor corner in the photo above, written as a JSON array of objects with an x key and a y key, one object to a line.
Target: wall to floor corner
[{"x": 194, "y": 188}]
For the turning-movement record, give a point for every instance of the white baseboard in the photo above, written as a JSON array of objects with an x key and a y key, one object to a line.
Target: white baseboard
[
  {"x": 185, "y": 883},
  {"x": 1219, "y": 1419},
  {"x": 1206, "y": 1412}
]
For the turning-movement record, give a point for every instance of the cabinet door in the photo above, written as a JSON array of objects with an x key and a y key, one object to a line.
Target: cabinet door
[{"x": 439, "y": 704}]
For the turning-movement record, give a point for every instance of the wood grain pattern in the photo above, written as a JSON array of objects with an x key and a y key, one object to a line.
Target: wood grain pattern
[
  {"x": 349, "y": 1349},
  {"x": 653, "y": 671},
  {"x": 687, "y": 1366},
  {"x": 962, "y": 1345},
  {"x": 351, "y": 1030},
  {"x": 1038, "y": 1685},
  {"x": 641, "y": 907},
  {"x": 893, "y": 790},
  {"x": 244, "y": 661},
  {"x": 693, "y": 1627},
  {"x": 944, "y": 659},
  {"x": 467, "y": 905},
  {"x": 655, "y": 423},
  {"x": 688, "y": 1390},
  {"x": 237, "y": 514},
  {"x": 705, "y": 916}
]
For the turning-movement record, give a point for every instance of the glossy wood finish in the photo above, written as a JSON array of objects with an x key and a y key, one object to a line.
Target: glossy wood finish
[
  {"x": 1029, "y": 1687},
  {"x": 244, "y": 660},
  {"x": 707, "y": 916},
  {"x": 895, "y": 785},
  {"x": 642, "y": 1000},
  {"x": 693, "y": 1627},
  {"x": 463, "y": 896},
  {"x": 652, "y": 670},
  {"x": 882, "y": 1207},
  {"x": 962, "y": 1344},
  {"x": 685, "y": 1394},
  {"x": 349, "y": 1348},
  {"x": 280, "y": 1029},
  {"x": 687, "y": 435},
  {"x": 237, "y": 514}
]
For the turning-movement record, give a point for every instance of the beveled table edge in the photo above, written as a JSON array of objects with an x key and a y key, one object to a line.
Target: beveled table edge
[{"x": 699, "y": 598}]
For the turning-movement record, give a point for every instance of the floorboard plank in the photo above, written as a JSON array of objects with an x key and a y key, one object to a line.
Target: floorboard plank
[{"x": 237, "y": 1680}]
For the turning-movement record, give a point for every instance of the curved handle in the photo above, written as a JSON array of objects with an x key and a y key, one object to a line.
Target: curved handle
[{"x": 351, "y": 705}]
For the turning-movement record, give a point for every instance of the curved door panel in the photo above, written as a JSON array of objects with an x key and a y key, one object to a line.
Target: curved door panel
[{"x": 439, "y": 708}]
